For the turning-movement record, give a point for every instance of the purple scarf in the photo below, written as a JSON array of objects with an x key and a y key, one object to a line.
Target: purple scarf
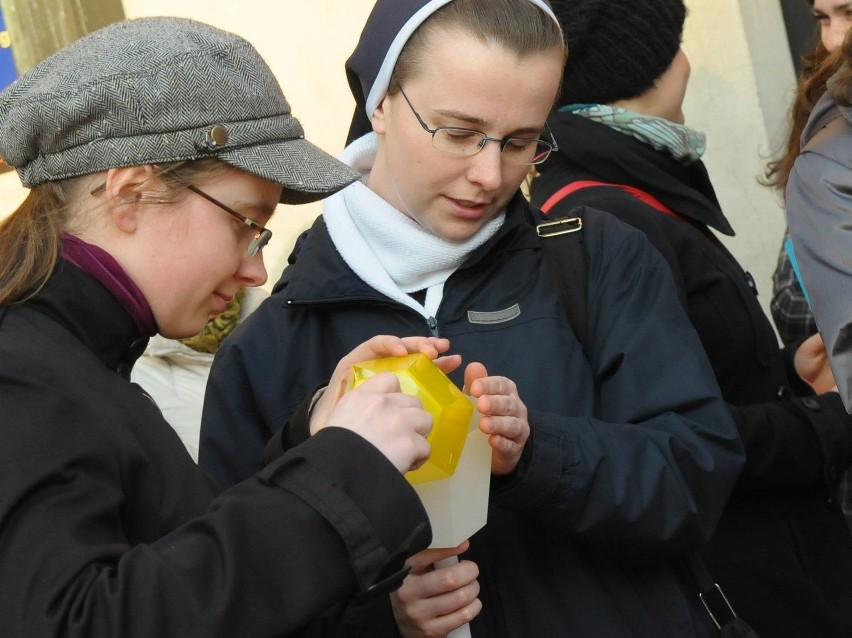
[{"x": 103, "y": 267}]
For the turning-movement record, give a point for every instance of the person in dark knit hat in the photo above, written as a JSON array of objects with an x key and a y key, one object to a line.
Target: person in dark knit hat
[
  {"x": 156, "y": 149},
  {"x": 617, "y": 51},
  {"x": 782, "y": 552},
  {"x": 604, "y": 470}
]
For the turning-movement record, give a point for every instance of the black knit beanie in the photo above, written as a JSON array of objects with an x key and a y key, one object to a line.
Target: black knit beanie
[{"x": 616, "y": 48}]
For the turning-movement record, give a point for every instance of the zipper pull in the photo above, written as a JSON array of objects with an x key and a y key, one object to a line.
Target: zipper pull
[{"x": 433, "y": 326}]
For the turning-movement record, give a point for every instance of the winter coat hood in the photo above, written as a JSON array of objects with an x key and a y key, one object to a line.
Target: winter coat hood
[{"x": 590, "y": 149}]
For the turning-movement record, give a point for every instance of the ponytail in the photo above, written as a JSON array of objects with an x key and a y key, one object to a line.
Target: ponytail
[{"x": 30, "y": 240}]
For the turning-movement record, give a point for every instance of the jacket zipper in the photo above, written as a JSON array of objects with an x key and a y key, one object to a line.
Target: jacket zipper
[{"x": 433, "y": 326}]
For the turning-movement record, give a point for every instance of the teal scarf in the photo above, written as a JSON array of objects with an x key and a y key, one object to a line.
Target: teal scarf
[{"x": 681, "y": 142}]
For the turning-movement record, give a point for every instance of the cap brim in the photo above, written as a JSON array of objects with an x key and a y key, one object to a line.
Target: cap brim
[{"x": 306, "y": 172}]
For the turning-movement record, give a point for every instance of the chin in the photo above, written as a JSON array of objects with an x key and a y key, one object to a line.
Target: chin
[
  {"x": 457, "y": 235},
  {"x": 183, "y": 331},
  {"x": 457, "y": 231}
]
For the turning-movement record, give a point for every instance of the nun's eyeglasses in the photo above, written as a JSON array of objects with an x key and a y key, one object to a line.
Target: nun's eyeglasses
[
  {"x": 465, "y": 142},
  {"x": 261, "y": 235}
]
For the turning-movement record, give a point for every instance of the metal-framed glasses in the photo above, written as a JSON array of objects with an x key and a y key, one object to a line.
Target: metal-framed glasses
[
  {"x": 465, "y": 142},
  {"x": 261, "y": 235}
]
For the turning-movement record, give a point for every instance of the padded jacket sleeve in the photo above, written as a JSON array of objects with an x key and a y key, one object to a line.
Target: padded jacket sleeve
[
  {"x": 651, "y": 475},
  {"x": 329, "y": 519}
]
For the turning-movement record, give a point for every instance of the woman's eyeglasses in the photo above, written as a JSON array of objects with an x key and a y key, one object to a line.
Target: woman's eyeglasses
[
  {"x": 463, "y": 141},
  {"x": 261, "y": 235}
]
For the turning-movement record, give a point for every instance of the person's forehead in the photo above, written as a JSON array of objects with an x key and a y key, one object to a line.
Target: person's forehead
[{"x": 831, "y": 6}]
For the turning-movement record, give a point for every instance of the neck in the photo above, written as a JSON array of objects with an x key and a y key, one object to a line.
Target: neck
[
  {"x": 647, "y": 104},
  {"x": 103, "y": 267}
]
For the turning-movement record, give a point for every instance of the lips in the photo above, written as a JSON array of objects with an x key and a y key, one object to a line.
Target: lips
[
  {"x": 467, "y": 208},
  {"x": 221, "y": 302}
]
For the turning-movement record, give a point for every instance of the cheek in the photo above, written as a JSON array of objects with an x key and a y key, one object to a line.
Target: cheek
[
  {"x": 186, "y": 308},
  {"x": 414, "y": 156},
  {"x": 832, "y": 33},
  {"x": 513, "y": 177},
  {"x": 220, "y": 240},
  {"x": 419, "y": 169}
]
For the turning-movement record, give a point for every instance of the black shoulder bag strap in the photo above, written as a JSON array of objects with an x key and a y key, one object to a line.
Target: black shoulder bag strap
[
  {"x": 567, "y": 260},
  {"x": 565, "y": 255}
]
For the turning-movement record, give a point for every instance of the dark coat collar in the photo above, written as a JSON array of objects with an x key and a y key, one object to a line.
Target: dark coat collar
[
  {"x": 591, "y": 150},
  {"x": 85, "y": 308}
]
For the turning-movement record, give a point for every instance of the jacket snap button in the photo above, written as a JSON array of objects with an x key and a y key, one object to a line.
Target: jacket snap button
[{"x": 812, "y": 404}]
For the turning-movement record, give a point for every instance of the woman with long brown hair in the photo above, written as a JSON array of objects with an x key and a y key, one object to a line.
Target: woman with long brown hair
[
  {"x": 819, "y": 211},
  {"x": 789, "y": 307}
]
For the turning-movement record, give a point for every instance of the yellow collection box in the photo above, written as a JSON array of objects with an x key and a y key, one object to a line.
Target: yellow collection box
[
  {"x": 453, "y": 484},
  {"x": 450, "y": 409}
]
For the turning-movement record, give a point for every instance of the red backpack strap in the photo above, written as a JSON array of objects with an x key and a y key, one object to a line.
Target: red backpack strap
[{"x": 639, "y": 194}]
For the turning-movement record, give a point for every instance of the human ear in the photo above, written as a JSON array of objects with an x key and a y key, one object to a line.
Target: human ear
[
  {"x": 123, "y": 191},
  {"x": 378, "y": 117}
]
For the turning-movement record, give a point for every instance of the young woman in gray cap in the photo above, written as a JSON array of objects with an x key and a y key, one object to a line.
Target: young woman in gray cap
[
  {"x": 782, "y": 551},
  {"x": 606, "y": 468},
  {"x": 156, "y": 150}
]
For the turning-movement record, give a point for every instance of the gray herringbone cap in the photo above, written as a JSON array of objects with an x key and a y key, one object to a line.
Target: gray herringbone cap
[{"x": 156, "y": 90}]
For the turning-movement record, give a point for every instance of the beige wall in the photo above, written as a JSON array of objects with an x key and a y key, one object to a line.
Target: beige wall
[{"x": 740, "y": 88}]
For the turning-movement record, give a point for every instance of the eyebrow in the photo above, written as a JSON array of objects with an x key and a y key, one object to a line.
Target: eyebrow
[
  {"x": 837, "y": 7},
  {"x": 481, "y": 123},
  {"x": 243, "y": 205}
]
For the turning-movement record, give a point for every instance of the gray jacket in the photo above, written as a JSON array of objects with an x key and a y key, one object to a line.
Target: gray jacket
[{"x": 819, "y": 212}]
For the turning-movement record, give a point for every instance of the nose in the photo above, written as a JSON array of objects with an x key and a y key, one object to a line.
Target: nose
[
  {"x": 252, "y": 271},
  {"x": 486, "y": 167}
]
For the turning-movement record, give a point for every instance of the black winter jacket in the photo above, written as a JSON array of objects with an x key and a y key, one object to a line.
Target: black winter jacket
[
  {"x": 612, "y": 487},
  {"x": 782, "y": 552},
  {"x": 108, "y": 528}
]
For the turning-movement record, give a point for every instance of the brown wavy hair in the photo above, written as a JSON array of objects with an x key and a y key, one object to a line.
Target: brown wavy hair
[{"x": 819, "y": 66}]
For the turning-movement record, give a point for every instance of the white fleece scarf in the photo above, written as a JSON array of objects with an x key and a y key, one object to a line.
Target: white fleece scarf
[{"x": 387, "y": 249}]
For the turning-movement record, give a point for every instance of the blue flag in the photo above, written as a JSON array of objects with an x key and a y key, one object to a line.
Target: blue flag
[{"x": 8, "y": 73}]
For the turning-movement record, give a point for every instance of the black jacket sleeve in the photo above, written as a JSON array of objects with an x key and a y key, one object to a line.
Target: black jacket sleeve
[
  {"x": 798, "y": 442},
  {"x": 649, "y": 477},
  {"x": 329, "y": 521},
  {"x": 295, "y": 431}
]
